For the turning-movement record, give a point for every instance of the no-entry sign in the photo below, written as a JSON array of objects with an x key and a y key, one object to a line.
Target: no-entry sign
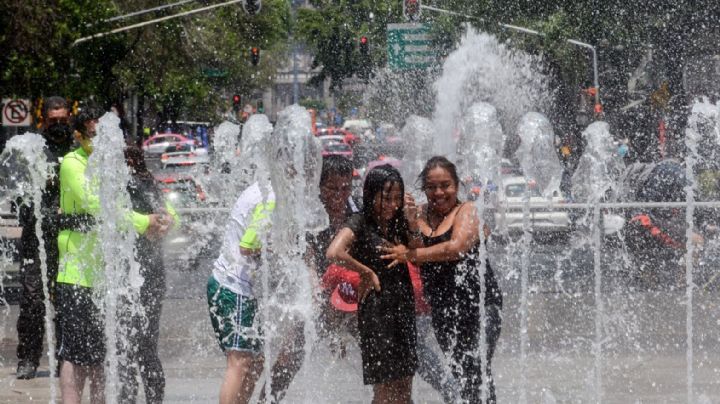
[{"x": 16, "y": 112}]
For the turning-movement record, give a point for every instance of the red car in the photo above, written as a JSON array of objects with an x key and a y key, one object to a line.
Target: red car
[
  {"x": 348, "y": 136},
  {"x": 335, "y": 145},
  {"x": 159, "y": 143}
]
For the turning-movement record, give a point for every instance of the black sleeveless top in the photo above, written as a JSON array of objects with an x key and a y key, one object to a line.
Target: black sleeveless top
[{"x": 441, "y": 278}]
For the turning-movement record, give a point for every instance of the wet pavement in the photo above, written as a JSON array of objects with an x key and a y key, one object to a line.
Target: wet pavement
[{"x": 643, "y": 358}]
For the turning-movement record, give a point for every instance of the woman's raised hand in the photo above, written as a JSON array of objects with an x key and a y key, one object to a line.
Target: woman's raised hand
[
  {"x": 399, "y": 254},
  {"x": 412, "y": 213}
]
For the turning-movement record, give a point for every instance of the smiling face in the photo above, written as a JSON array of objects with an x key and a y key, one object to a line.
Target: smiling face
[
  {"x": 388, "y": 202},
  {"x": 441, "y": 190}
]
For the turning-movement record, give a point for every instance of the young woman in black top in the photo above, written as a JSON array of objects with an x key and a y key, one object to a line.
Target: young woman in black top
[
  {"x": 445, "y": 241},
  {"x": 386, "y": 312}
]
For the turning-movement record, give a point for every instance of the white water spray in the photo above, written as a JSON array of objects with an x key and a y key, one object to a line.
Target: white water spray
[
  {"x": 417, "y": 135},
  {"x": 25, "y": 171},
  {"x": 537, "y": 155},
  {"x": 483, "y": 69},
  {"x": 108, "y": 176},
  {"x": 479, "y": 152},
  {"x": 295, "y": 162}
]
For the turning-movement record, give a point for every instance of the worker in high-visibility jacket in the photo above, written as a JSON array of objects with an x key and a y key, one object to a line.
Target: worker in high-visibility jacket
[{"x": 81, "y": 345}]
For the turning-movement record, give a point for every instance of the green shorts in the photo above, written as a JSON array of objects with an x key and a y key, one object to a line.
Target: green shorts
[{"x": 232, "y": 317}]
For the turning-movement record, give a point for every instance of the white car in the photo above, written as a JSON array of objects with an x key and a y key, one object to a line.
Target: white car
[{"x": 545, "y": 214}]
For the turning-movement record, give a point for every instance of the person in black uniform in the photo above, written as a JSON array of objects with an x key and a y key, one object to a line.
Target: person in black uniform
[
  {"x": 58, "y": 132},
  {"x": 386, "y": 312},
  {"x": 445, "y": 242},
  {"x": 141, "y": 345}
]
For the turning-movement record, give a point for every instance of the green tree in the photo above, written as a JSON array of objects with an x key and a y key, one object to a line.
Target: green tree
[{"x": 164, "y": 62}]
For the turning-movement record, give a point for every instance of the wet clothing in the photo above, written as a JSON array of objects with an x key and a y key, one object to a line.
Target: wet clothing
[
  {"x": 80, "y": 258},
  {"x": 80, "y": 263},
  {"x": 232, "y": 317},
  {"x": 81, "y": 336},
  {"x": 31, "y": 316},
  {"x": 248, "y": 219},
  {"x": 453, "y": 291},
  {"x": 140, "y": 345},
  {"x": 386, "y": 319}
]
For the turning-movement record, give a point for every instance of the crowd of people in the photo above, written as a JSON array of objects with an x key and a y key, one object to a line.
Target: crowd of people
[{"x": 387, "y": 272}]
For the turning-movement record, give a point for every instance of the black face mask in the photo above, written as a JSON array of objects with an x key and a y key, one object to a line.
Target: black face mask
[{"x": 60, "y": 133}]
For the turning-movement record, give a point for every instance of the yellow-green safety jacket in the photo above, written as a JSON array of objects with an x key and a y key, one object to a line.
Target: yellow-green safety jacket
[{"x": 80, "y": 256}]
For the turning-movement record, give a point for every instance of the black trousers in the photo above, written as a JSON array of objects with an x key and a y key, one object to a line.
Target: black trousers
[
  {"x": 456, "y": 321},
  {"x": 138, "y": 344},
  {"x": 31, "y": 318}
]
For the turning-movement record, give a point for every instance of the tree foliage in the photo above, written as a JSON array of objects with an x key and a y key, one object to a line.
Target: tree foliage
[{"x": 167, "y": 63}]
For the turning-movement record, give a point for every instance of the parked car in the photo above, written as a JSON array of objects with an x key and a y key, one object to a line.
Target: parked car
[
  {"x": 362, "y": 128},
  {"x": 158, "y": 144},
  {"x": 184, "y": 154},
  {"x": 334, "y": 145},
  {"x": 546, "y": 215},
  {"x": 348, "y": 137}
]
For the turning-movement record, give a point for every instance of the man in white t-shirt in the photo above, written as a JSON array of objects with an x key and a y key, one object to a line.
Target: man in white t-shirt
[
  {"x": 231, "y": 299},
  {"x": 230, "y": 294}
]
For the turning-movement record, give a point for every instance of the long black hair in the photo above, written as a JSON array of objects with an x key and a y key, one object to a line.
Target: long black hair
[{"x": 374, "y": 184}]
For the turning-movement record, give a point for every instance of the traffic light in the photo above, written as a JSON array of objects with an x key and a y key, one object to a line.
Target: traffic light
[
  {"x": 252, "y": 7},
  {"x": 254, "y": 56},
  {"x": 364, "y": 51},
  {"x": 411, "y": 10},
  {"x": 236, "y": 102}
]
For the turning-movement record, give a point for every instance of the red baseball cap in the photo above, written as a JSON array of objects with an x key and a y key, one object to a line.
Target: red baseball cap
[{"x": 344, "y": 283}]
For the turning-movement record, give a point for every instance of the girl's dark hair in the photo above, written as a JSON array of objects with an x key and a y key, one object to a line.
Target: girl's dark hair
[
  {"x": 88, "y": 112},
  {"x": 435, "y": 162},
  {"x": 335, "y": 165},
  {"x": 135, "y": 158},
  {"x": 374, "y": 184}
]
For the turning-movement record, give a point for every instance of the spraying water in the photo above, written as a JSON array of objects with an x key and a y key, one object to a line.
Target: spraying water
[
  {"x": 537, "y": 154},
  {"x": 596, "y": 179},
  {"x": 295, "y": 178},
  {"x": 506, "y": 78},
  {"x": 25, "y": 170},
  {"x": 417, "y": 135},
  {"x": 480, "y": 145},
  {"x": 108, "y": 176},
  {"x": 479, "y": 152},
  {"x": 703, "y": 119},
  {"x": 226, "y": 165},
  {"x": 601, "y": 163}
]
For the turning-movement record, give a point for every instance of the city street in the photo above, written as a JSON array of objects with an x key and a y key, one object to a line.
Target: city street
[{"x": 643, "y": 357}]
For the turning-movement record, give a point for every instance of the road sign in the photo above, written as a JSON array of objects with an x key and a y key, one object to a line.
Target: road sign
[
  {"x": 409, "y": 46},
  {"x": 16, "y": 112}
]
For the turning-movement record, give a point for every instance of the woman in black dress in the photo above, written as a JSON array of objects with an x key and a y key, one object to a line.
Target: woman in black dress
[
  {"x": 445, "y": 242},
  {"x": 386, "y": 313}
]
